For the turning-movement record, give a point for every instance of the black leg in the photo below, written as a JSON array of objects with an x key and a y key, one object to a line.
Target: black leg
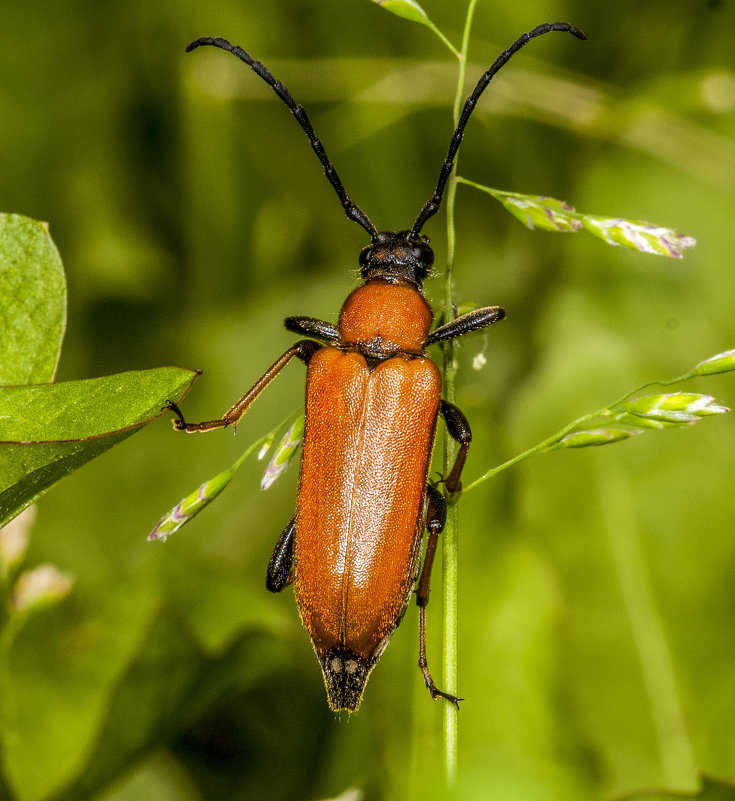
[
  {"x": 436, "y": 515},
  {"x": 459, "y": 429},
  {"x": 311, "y": 327}
]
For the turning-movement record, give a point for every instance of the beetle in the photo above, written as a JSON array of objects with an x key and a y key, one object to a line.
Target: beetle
[{"x": 373, "y": 398}]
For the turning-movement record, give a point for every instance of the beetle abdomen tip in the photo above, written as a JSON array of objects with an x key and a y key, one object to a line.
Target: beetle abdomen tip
[{"x": 345, "y": 676}]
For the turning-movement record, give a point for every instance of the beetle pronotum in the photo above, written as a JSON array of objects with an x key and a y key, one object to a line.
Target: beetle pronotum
[{"x": 373, "y": 397}]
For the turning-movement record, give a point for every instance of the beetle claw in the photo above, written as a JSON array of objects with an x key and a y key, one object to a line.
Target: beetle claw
[
  {"x": 450, "y": 496},
  {"x": 437, "y": 693},
  {"x": 179, "y": 423}
]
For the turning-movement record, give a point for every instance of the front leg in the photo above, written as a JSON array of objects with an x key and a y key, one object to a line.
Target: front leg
[
  {"x": 472, "y": 321},
  {"x": 303, "y": 350},
  {"x": 457, "y": 424},
  {"x": 311, "y": 327}
]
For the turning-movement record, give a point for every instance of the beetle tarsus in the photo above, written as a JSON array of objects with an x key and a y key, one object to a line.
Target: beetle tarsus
[
  {"x": 450, "y": 498},
  {"x": 171, "y": 406},
  {"x": 424, "y": 665},
  {"x": 179, "y": 423},
  {"x": 437, "y": 693}
]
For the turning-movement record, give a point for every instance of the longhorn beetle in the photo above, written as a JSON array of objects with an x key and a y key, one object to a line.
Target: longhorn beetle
[{"x": 373, "y": 398}]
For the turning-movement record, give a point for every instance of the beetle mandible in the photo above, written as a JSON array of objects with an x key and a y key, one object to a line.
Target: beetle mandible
[{"x": 373, "y": 397}]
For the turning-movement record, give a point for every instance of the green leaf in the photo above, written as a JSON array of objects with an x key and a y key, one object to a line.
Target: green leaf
[
  {"x": 411, "y": 10},
  {"x": 597, "y": 436},
  {"x": 33, "y": 308},
  {"x": 549, "y": 214},
  {"x": 408, "y": 9},
  {"x": 49, "y": 430}
]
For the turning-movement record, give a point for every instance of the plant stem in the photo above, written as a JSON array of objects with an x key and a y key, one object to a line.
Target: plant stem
[
  {"x": 446, "y": 41},
  {"x": 449, "y": 536}
]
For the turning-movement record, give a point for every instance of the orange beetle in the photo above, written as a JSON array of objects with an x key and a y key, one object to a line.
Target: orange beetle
[{"x": 373, "y": 398}]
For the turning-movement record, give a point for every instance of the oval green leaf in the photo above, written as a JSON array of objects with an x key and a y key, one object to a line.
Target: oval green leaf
[
  {"x": 408, "y": 9},
  {"x": 33, "y": 309},
  {"x": 597, "y": 436},
  {"x": 49, "y": 430}
]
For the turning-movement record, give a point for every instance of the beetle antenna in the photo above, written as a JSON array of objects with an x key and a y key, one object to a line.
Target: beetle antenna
[
  {"x": 431, "y": 206},
  {"x": 352, "y": 210}
]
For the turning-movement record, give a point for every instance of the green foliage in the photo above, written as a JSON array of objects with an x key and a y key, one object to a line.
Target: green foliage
[{"x": 49, "y": 430}]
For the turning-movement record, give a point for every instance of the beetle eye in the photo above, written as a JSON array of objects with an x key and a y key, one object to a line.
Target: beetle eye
[
  {"x": 424, "y": 257},
  {"x": 365, "y": 254}
]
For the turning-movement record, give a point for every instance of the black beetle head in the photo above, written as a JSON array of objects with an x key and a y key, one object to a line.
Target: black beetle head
[{"x": 403, "y": 256}]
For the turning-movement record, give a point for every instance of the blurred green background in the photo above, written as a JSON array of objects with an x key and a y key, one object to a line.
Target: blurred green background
[{"x": 597, "y": 587}]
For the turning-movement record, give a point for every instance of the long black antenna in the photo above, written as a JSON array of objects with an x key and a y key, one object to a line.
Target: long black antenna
[
  {"x": 352, "y": 210},
  {"x": 431, "y": 206}
]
